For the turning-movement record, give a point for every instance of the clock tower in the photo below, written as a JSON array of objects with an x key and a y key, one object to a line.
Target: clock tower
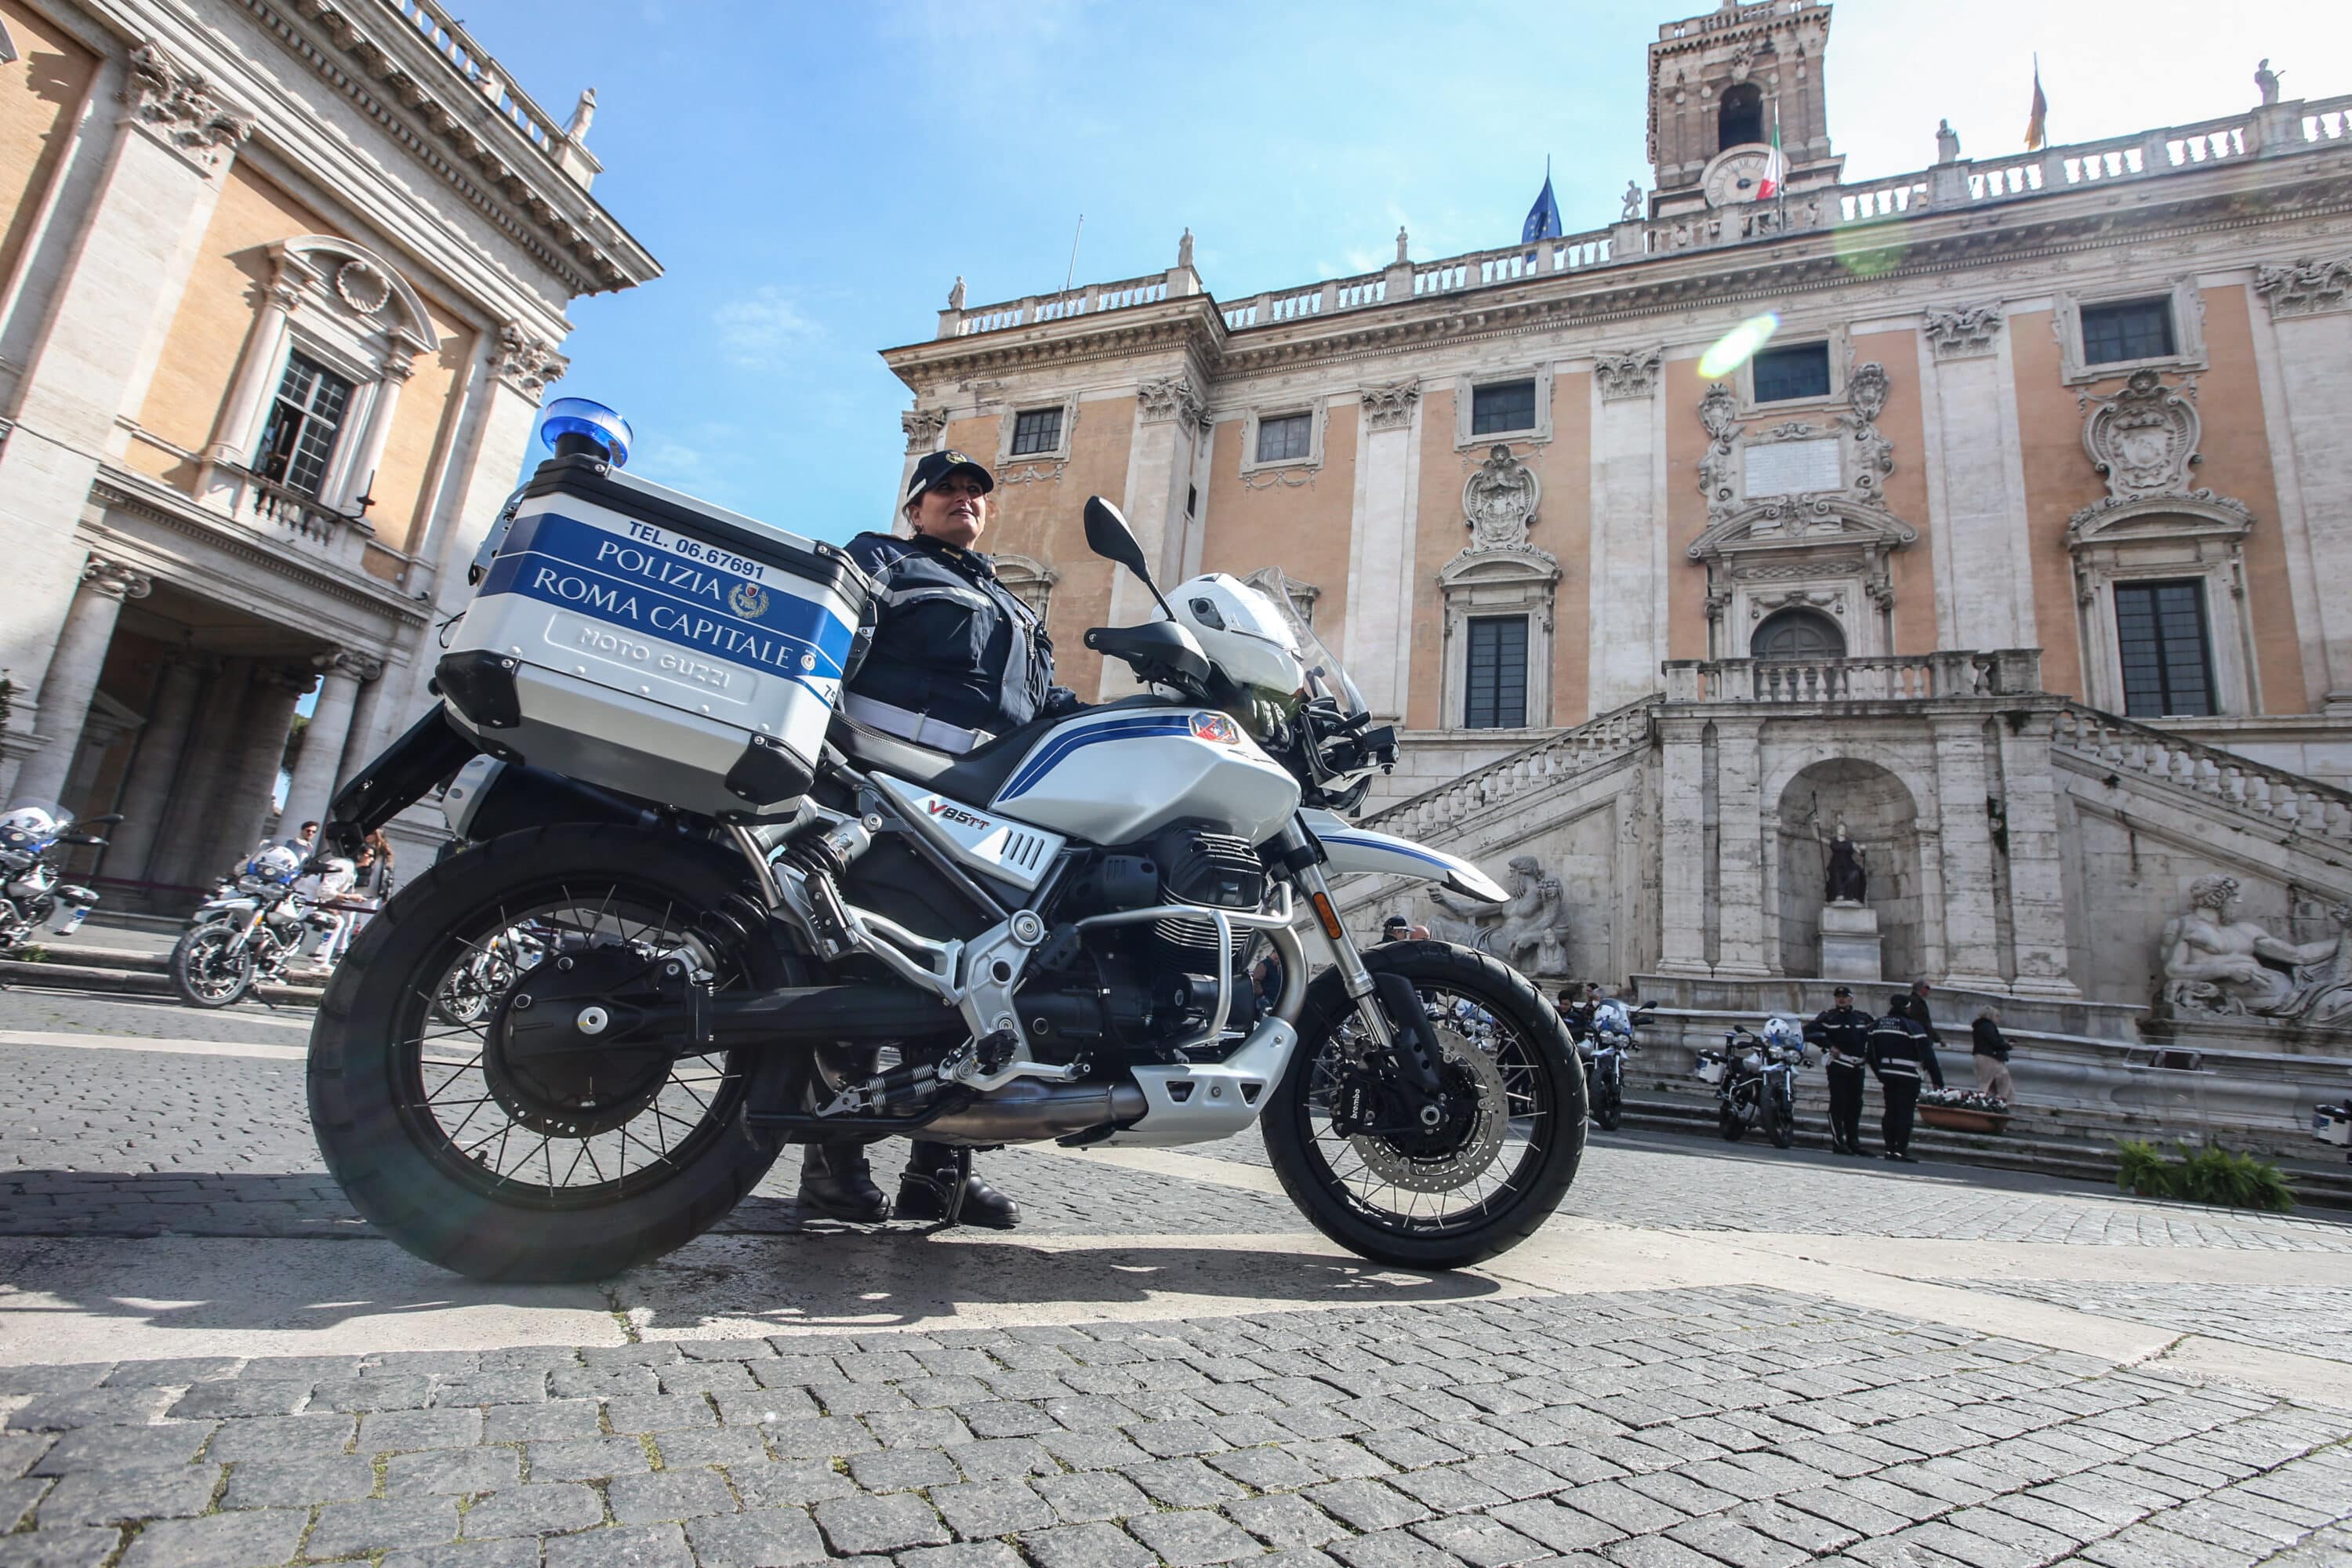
[{"x": 1717, "y": 83}]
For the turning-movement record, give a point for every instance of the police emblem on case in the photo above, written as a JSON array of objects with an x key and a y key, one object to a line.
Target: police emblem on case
[
  {"x": 747, "y": 601},
  {"x": 1216, "y": 727}
]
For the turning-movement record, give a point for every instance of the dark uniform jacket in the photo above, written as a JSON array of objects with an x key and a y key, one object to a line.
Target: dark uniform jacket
[
  {"x": 1843, "y": 1029},
  {"x": 951, "y": 642},
  {"x": 1915, "y": 1007},
  {"x": 1898, "y": 1048}
]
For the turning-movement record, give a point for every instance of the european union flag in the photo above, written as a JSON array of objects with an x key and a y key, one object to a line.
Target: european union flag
[{"x": 1543, "y": 218}]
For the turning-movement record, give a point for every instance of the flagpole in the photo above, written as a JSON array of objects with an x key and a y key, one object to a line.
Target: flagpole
[{"x": 1780, "y": 155}]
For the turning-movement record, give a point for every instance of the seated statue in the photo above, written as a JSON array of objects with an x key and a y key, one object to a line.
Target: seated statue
[
  {"x": 1528, "y": 931},
  {"x": 2232, "y": 968}
]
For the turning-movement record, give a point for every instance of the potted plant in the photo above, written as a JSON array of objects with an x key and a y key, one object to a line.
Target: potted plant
[{"x": 1963, "y": 1110}]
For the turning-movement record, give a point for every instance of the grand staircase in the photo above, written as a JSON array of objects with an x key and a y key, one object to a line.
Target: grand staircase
[{"x": 1445, "y": 813}]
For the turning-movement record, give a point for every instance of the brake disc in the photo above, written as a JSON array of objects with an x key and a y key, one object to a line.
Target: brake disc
[{"x": 1480, "y": 1142}]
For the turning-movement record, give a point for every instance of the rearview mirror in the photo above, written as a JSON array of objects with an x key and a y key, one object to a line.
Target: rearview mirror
[{"x": 1109, "y": 536}]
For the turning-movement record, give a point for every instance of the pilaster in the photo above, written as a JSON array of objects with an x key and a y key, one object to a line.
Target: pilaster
[
  {"x": 1739, "y": 793},
  {"x": 1971, "y": 928},
  {"x": 1380, "y": 549},
  {"x": 2037, "y": 889},
  {"x": 1682, "y": 872}
]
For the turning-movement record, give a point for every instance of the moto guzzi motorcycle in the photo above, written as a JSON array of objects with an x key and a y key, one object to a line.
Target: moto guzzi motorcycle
[
  {"x": 754, "y": 920},
  {"x": 1605, "y": 1046},
  {"x": 33, "y": 834},
  {"x": 252, "y": 927},
  {"x": 1755, "y": 1080}
]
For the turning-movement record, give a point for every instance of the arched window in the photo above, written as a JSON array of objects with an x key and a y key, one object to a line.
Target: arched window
[
  {"x": 1741, "y": 119},
  {"x": 1797, "y": 635}
]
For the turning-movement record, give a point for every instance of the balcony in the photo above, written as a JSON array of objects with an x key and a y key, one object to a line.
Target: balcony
[{"x": 1901, "y": 677}]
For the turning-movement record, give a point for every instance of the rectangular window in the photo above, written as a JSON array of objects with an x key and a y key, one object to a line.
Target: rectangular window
[
  {"x": 2166, "y": 650},
  {"x": 1498, "y": 686},
  {"x": 1037, "y": 430},
  {"x": 299, "y": 441},
  {"x": 2135, "y": 328},
  {"x": 1800, "y": 370},
  {"x": 1286, "y": 437},
  {"x": 1503, "y": 407}
]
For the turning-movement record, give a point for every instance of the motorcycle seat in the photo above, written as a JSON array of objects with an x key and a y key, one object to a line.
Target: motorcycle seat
[{"x": 972, "y": 778}]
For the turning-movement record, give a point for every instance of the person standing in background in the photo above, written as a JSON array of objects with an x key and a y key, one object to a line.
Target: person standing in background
[
  {"x": 1898, "y": 1051},
  {"x": 1988, "y": 1051},
  {"x": 1842, "y": 1032}
]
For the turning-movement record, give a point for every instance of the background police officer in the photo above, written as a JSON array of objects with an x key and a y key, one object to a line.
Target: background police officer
[
  {"x": 1898, "y": 1051},
  {"x": 1841, "y": 1032},
  {"x": 954, "y": 661}
]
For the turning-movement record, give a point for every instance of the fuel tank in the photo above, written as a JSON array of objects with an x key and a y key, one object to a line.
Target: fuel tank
[{"x": 1117, "y": 776}]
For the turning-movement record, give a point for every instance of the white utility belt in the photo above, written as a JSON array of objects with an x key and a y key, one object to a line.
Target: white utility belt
[{"x": 909, "y": 725}]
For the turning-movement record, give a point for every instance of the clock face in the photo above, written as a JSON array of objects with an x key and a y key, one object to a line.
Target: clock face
[{"x": 1736, "y": 177}]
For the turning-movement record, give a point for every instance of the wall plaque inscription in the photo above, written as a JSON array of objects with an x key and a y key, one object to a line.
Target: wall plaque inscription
[{"x": 1793, "y": 467}]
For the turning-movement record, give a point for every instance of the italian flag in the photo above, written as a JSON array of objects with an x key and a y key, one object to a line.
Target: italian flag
[{"x": 1776, "y": 168}]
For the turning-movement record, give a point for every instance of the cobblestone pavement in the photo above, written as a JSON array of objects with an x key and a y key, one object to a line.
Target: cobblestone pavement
[{"x": 1729, "y": 1426}]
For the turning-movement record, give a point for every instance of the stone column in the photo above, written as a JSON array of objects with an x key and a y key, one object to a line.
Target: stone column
[
  {"x": 73, "y": 673},
  {"x": 2037, "y": 882},
  {"x": 1159, "y": 468},
  {"x": 358, "y": 480},
  {"x": 215, "y": 737},
  {"x": 1740, "y": 925},
  {"x": 1627, "y": 572},
  {"x": 1682, "y": 882},
  {"x": 105, "y": 330},
  {"x": 247, "y": 408},
  {"x": 1976, "y": 482},
  {"x": 370, "y": 719},
  {"x": 316, "y": 770},
  {"x": 155, "y": 768},
  {"x": 249, "y": 776},
  {"x": 1971, "y": 928}
]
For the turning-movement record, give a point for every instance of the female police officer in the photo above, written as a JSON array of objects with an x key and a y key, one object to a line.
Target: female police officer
[{"x": 955, "y": 660}]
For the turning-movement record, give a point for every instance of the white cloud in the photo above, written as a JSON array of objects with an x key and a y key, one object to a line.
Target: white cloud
[{"x": 756, "y": 330}]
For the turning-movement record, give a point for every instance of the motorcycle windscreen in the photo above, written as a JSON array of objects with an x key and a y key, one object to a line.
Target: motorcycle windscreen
[{"x": 1361, "y": 849}]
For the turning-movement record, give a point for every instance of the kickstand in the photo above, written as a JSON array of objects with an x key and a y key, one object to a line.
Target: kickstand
[{"x": 959, "y": 1173}]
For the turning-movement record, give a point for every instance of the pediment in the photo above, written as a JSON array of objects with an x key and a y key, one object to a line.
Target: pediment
[
  {"x": 1805, "y": 522},
  {"x": 2197, "y": 514},
  {"x": 1502, "y": 564}
]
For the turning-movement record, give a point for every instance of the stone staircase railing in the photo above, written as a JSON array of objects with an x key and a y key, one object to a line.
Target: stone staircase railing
[
  {"x": 2278, "y": 797},
  {"x": 1542, "y": 765}
]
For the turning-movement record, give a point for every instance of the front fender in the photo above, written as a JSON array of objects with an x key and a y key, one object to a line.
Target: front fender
[{"x": 1361, "y": 849}]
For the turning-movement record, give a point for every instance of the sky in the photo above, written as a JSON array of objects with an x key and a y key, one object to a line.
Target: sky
[{"x": 815, "y": 176}]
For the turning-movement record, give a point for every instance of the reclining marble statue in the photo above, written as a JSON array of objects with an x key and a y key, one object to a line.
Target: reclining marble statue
[
  {"x": 2224, "y": 968},
  {"x": 1528, "y": 931}
]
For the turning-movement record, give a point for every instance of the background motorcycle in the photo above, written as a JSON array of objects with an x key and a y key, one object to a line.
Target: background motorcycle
[
  {"x": 34, "y": 836},
  {"x": 1048, "y": 932},
  {"x": 250, "y": 931},
  {"x": 1605, "y": 1047},
  {"x": 1755, "y": 1080}
]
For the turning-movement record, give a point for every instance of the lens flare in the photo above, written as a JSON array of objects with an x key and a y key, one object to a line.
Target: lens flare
[
  {"x": 1738, "y": 346},
  {"x": 1868, "y": 249}
]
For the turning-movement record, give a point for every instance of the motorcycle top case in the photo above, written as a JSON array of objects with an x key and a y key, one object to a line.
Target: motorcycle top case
[{"x": 634, "y": 638}]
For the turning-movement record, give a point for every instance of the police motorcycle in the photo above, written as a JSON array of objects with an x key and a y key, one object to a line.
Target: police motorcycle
[
  {"x": 256, "y": 924},
  {"x": 1605, "y": 1047},
  {"x": 1755, "y": 1080},
  {"x": 33, "y": 894},
  {"x": 757, "y": 904}
]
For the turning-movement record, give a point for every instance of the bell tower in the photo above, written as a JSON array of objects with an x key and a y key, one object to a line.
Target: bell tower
[{"x": 1717, "y": 83}]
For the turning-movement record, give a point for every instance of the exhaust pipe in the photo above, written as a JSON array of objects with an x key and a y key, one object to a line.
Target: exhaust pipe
[{"x": 1026, "y": 1110}]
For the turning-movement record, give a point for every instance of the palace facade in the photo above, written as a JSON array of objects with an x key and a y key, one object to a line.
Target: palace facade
[
  {"x": 2019, "y": 549},
  {"x": 282, "y": 283}
]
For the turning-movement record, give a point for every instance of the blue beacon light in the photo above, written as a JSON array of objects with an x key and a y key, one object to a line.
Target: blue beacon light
[{"x": 575, "y": 427}]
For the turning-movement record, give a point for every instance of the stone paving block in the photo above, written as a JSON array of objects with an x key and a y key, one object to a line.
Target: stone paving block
[
  {"x": 980, "y": 1509},
  {"x": 67, "y": 1379},
  {"x": 509, "y": 1552},
  {"x": 1090, "y": 1450},
  {"x": 963, "y": 1554},
  {"x": 659, "y": 1413},
  {"x": 114, "y": 1497},
  {"x": 1175, "y": 1440},
  {"x": 1005, "y": 1418},
  {"x": 1808, "y": 1532},
  {"x": 545, "y": 1420},
  {"x": 166, "y": 1447},
  {"x": 891, "y": 1523},
  {"x": 1266, "y": 1468},
  {"x": 760, "y": 1538},
  {"x": 1450, "y": 1488},
  {"x": 789, "y": 1483},
  {"x": 1192, "y": 1538},
  {"x": 92, "y": 1407},
  {"x": 621, "y": 1546},
  {"x": 705, "y": 1378},
  {"x": 74, "y": 1546},
  {"x": 1004, "y": 1460},
  {"x": 1480, "y": 1541},
  {"x": 1558, "y": 1529},
  {"x": 517, "y": 1385},
  {"x": 239, "y": 1397},
  {"x": 535, "y": 1511},
  {"x": 393, "y": 1392},
  {"x": 280, "y": 1438},
  {"x": 602, "y": 1383},
  {"x": 405, "y": 1430},
  {"x": 1090, "y": 1496},
  {"x": 585, "y": 1459},
  {"x": 761, "y": 1406},
  {"x": 1390, "y": 1549},
  {"x": 668, "y": 1494},
  {"x": 1665, "y": 1551},
  {"x": 452, "y": 1470},
  {"x": 1086, "y": 1546},
  {"x": 711, "y": 1446},
  {"x": 818, "y": 1437},
  {"x": 1282, "y": 1520},
  {"x": 18, "y": 1450},
  {"x": 903, "y": 1469},
  {"x": 1182, "y": 1483},
  {"x": 918, "y": 1428},
  {"x": 16, "y": 1500},
  {"x": 1367, "y": 1505},
  {"x": 349, "y": 1529},
  {"x": 254, "y": 1539},
  {"x": 1737, "y": 1544}
]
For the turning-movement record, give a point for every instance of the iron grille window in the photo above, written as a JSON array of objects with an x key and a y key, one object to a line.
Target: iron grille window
[
  {"x": 1508, "y": 406},
  {"x": 1037, "y": 430},
  {"x": 1802, "y": 370},
  {"x": 2135, "y": 328},
  {"x": 1498, "y": 673},
  {"x": 2167, "y": 650},
  {"x": 1286, "y": 436},
  {"x": 304, "y": 418}
]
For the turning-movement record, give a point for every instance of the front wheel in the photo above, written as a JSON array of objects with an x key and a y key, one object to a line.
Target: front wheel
[
  {"x": 208, "y": 967},
  {"x": 1729, "y": 1122},
  {"x": 1607, "y": 1101},
  {"x": 1781, "y": 1119},
  {"x": 1355, "y": 1156},
  {"x": 507, "y": 1163}
]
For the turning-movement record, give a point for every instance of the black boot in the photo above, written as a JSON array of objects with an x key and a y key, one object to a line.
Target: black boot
[
  {"x": 928, "y": 1190},
  {"x": 836, "y": 1182}
]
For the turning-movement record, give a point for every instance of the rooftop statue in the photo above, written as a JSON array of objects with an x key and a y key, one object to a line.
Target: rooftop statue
[{"x": 2266, "y": 81}]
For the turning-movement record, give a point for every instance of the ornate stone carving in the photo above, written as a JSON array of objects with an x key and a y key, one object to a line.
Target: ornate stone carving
[
  {"x": 1872, "y": 455},
  {"x": 1528, "y": 931},
  {"x": 1718, "y": 412},
  {"x": 1630, "y": 373},
  {"x": 1499, "y": 501},
  {"x": 360, "y": 667},
  {"x": 1961, "y": 334},
  {"x": 529, "y": 364},
  {"x": 183, "y": 107},
  {"x": 362, "y": 288},
  {"x": 116, "y": 580},
  {"x": 2306, "y": 286},
  {"x": 2142, "y": 439},
  {"x": 2217, "y": 967},
  {"x": 922, "y": 427},
  {"x": 1171, "y": 398},
  {"x": 1390, "y": 407}
]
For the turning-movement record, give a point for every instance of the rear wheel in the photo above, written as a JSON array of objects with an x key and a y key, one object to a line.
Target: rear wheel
[
  {"x": 208, "y": 968},
  {"x": 529, "y": 1165},
  {"x": 1507, "y": 1144}
]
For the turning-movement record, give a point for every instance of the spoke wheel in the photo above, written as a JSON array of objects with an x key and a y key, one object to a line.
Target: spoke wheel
[
  {"x": 205, "y": 971},
  {"x": 502, "y": 1164},
  {"x": 1493, "y": 1164}
]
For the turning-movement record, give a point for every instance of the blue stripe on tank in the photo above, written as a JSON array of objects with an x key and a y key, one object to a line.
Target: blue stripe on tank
[{"x": 1143, "y": 726}]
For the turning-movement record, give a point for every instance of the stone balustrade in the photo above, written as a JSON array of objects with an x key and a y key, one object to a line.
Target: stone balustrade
[
  {"x": 1547, "y": 763},
  {"x": 449, "y": 37},
  {"x": 2273, "y": 130},
  {"x": 2287, "y": 800},
  {"x": 1901, "y": 677},
  {"x": 299, "y": 518}
]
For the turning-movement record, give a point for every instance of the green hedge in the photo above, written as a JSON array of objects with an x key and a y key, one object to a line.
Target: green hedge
[{"x": 2207, "y": 1175}]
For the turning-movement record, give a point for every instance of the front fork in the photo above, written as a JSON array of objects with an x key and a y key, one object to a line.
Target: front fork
[{"x": 1387, "y": 1005}]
